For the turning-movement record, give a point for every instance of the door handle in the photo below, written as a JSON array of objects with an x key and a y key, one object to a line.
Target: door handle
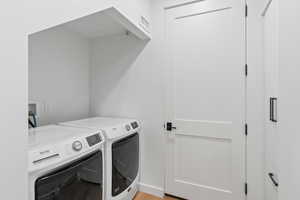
[
  {"x": 271, "y": 175},
  {"x": 273, "y": 109},
  {"x": 169, "y": 126}
]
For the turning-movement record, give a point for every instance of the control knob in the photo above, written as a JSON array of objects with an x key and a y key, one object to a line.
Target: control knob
[
  {"x": 127, "y": 127},
  {"x": 77, "y": 146}
]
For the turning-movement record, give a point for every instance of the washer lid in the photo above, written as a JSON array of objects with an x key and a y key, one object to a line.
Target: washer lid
[{"x": 53, "y": 134}]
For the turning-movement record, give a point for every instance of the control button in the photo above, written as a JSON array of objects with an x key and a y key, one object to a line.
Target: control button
[
  {"x": 134, "y": 125},
  {"x": 77, "y": 146},
  {"x": 127, "y": 127}
]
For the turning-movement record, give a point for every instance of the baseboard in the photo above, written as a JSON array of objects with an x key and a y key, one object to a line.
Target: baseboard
[{"x": 150, "y": 189}]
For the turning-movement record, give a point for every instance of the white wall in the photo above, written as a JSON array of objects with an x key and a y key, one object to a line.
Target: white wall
[
  {"x": 59, "y": 64},
  {"x": 289, "y": 100},
  {"x": 127, "y": 82},
  {"x": 13, "y": 97}
]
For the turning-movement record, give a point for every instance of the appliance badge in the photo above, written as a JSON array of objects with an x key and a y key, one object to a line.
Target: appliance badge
[{"x": 44, "y": 152}]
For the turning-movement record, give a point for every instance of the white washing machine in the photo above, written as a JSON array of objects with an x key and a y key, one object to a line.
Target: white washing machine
[
  {"x": 122, "y": 154},
  {"x": 65, "y": 163}
]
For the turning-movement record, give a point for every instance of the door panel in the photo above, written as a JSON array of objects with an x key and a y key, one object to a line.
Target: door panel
[
  {"x": 206, "y": 100},
  {"x": 212, "y": 155},
  {"x": 125, "y": 163},
  {"x": 271, "y": 84},
  {"x": 80, "y": 180}
]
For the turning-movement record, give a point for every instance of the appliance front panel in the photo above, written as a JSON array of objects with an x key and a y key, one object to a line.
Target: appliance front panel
[
  {"x": 125, "y": 163},
  {"x": 80, "y": 180}
]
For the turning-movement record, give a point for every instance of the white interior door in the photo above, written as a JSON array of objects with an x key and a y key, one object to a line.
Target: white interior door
[
  {"x": 271, "y": 78},
  {"x": 206, "y": 100}
]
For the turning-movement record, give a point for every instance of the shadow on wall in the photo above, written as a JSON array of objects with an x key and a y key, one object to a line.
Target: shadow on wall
[{"x": 115, "y": 76}]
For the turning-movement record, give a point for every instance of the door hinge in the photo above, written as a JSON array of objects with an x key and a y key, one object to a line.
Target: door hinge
[
  {"x": 246, "y": 10},
  {"x": 246, "y": 189},
  {"x": 246, "y": 129},
  {"x": 246, "y": 69}
]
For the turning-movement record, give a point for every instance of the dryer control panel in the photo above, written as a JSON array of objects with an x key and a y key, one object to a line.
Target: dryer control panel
[
  {"x": 122, "y": 130},
  {"x": 134, "y": 125}
]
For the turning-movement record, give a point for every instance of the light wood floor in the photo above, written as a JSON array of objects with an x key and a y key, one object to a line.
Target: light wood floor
[{"x": 143, "y": 196}]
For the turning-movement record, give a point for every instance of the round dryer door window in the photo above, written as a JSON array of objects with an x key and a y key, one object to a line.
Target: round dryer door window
[
  {"x": 125, "y": 162},
  {"x": 80, "y": 180}
]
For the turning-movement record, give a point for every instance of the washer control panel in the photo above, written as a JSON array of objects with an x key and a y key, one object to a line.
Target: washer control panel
[
  {"x": 57, "y": 153},
  {"x": 134, "y": 125}
]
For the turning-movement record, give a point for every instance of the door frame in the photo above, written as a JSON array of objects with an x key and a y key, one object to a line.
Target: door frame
[{"x": 169, "y": 4}]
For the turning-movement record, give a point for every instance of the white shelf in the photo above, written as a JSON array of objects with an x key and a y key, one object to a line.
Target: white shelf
[{"x": 108, "y": 22}]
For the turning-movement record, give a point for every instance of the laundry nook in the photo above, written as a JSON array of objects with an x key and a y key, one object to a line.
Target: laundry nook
[{"x": 76, "y": 151}]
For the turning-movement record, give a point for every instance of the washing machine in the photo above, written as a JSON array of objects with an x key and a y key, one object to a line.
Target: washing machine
[
  {"x": 122, "y": 154},
  {"x": 65, "y": 163}
]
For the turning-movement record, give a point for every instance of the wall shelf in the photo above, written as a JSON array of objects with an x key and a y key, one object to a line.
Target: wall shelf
[{"x": 108, "y": 22}]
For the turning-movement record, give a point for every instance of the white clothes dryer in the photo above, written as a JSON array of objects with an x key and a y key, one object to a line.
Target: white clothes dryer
[
  {"x": 65, "y": 163},
  {"x": 122, "y": 154}
]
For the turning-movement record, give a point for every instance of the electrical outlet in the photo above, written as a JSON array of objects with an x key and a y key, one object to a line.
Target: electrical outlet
[{"x": 36, "y": 108}]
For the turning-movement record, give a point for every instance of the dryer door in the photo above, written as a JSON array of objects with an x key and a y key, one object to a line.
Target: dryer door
[
  {"x": 125, "y": 162},
  {"x": 80, "y": 180}
]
